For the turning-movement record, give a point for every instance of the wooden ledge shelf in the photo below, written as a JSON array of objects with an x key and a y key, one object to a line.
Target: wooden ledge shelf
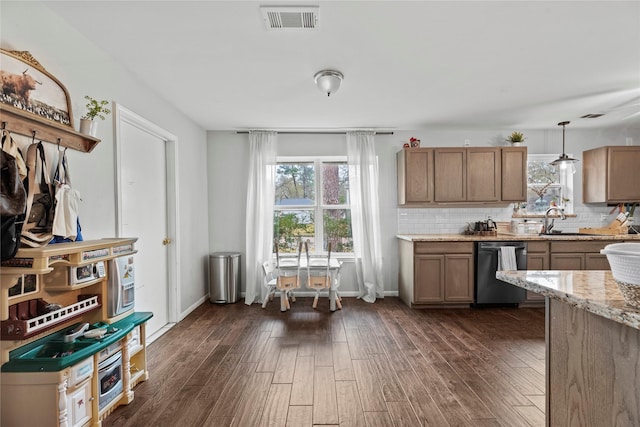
[{"x": 25, "y": 123}]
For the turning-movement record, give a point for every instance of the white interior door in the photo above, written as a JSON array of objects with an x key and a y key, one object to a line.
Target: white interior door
[{"x": 144, "y": 212}]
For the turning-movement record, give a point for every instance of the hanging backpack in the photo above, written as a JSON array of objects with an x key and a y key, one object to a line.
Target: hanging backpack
[
  {"x": 13, "y": 197},
  {"x": 38, "y": 224}
]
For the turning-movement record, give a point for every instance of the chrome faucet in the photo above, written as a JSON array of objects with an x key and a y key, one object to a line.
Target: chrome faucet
[{"x": 548, "y": 226}]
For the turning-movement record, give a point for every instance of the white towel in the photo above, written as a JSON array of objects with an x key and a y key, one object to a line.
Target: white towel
[{"x": 507, "y": 258}]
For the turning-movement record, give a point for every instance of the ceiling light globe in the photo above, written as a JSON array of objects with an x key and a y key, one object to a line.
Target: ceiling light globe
[{"x": 328, "y": 81}]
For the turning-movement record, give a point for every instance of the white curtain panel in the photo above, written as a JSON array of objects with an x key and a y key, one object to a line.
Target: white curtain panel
[
  {"x": 365, "y": 213},
  {"x": 260, "y": 200}
]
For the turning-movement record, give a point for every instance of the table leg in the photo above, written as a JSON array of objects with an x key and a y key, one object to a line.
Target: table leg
[{"x": 332, "y": 300}]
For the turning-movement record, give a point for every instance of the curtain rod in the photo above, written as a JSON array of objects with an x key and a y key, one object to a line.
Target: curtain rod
[{"x": 300, "y": 132}]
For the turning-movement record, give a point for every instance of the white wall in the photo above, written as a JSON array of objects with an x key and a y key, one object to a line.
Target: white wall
[
  {"x": 228, "y": 160},
  {"x": 86, "y": 70}
]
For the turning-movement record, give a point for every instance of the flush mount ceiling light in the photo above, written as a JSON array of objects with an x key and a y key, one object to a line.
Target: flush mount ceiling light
[
  {"x": 563, "y": 159},
  {"x": 328, "y": 81}
]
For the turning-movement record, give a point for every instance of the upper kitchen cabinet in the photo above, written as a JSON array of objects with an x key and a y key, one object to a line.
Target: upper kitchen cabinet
[
  {"x": 415, "y": 175},
  {"x": 450, "y": 173},
  {"x": 611, "y": 174},
  {"x": 514, "y": 174},
  {"x": 483, "y": 174},
  {"x": 456, "y": 176}
]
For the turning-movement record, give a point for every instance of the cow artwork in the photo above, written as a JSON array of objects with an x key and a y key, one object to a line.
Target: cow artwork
[
  {"x": 25, "y": 85},
  {"x": 20, "y": 85}
]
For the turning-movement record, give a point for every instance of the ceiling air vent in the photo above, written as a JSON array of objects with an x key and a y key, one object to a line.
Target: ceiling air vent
[{"x": 290, "y": 17}]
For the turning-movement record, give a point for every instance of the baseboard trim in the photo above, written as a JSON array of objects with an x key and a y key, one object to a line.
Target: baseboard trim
[{"x": 193, "y": 306}]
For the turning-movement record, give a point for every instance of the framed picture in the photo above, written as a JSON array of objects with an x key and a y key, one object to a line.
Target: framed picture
[{"x": 27, "y": 86}]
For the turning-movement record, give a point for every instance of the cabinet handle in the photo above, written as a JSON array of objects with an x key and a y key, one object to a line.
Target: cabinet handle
[{"x": 166, "y": 241}]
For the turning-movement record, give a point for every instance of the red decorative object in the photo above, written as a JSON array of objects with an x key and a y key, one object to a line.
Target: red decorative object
[{"x": 414, "y": 142}]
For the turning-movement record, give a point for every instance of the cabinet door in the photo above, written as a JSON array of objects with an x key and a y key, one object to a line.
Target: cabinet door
[
  {"x": 450, "y": 166},
  {"x": 514, "y": 174},
  {"x": 428, "y": 279},
  {"x": 567, "y": 261},
  {"x": 483, "y": 174},
  {"x": 418, "y": 176},
  {"x": 596, "y": 262},
  {"x": 79, "y": 405},
  {"x": 537, "y": 261},
  {"x": 624, "y": 174},
  {"x": 458, "y": 285}
]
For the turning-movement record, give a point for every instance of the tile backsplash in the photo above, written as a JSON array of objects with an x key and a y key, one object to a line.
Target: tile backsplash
[{"x": 455, "y": 220}]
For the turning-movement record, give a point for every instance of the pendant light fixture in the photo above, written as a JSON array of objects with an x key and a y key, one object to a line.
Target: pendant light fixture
[
  {"x": 328, "y": 81},
  {"x": 563, "y": 159}
]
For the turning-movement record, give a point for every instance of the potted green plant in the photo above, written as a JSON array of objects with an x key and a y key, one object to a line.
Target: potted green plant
[
  {"x": 95, "y": 108},
  {"x": 516, "y": 138}
]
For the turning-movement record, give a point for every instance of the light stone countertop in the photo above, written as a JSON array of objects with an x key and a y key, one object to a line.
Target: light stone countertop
[
  {"x": 594, "y": 291},
  {"x": 511, "y": 237}
]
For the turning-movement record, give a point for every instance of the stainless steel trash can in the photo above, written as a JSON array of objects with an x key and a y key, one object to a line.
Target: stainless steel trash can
[{"x": 224, "y": 277}]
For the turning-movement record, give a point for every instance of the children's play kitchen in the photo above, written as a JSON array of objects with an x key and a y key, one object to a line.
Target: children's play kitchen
[{"x": 72, "y": 346}]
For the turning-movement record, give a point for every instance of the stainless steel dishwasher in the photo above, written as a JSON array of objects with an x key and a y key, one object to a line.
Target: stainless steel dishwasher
[{"x": 490, "y": 291}]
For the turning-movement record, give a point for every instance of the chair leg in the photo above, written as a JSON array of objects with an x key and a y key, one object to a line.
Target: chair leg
[
  {"x": 315, "y": 300},
  {"x": 269, "y": 297},
  {"x": 293, "y": 297},
  {"x": 283, "y": 300},
  {"x": 338, "y": 301}
]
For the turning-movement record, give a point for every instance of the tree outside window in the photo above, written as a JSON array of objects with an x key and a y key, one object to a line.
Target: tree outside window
[
  {"x": 298, "y": 211},
  {"x": 548, "y": 185}
]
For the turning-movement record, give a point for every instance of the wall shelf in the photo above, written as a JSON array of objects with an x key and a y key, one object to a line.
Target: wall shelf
[{"x": 24, "y": 123}]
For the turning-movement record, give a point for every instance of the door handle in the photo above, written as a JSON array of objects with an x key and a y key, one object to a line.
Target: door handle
[{"x": 166, "y": 241}]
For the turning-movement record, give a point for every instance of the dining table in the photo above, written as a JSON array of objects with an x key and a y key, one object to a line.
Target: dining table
[{"x": 292, "y": 264}]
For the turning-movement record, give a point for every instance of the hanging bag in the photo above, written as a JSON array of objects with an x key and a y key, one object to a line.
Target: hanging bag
[
  {"x": 66, "y": 225},
  {"x": 13, "y": 197},
  {"x": 38, "y": 224}
]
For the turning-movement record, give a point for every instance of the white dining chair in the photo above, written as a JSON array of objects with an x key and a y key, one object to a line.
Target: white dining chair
[
  {"x": 287, "y": 277},
  {"x": 319, "y": 274}
]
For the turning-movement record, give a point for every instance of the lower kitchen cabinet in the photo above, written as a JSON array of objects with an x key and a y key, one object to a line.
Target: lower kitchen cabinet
[
  {"x": 537, "y": 259},
  {"x": 436, "y": 273},
  {"x": 50, "y": 398},
  {"x": 576, "y": 255}
]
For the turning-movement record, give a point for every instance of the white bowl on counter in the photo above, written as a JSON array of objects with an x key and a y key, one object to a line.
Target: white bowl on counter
[{"x": 624, "y": 259}]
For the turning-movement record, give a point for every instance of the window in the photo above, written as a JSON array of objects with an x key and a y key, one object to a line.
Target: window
[
  {"x": 548, "y": 185},
  {"x": 312, "y": 204}
]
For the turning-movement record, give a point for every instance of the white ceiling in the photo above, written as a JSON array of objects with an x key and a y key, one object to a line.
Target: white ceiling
[{"x": 407, "y": 64}]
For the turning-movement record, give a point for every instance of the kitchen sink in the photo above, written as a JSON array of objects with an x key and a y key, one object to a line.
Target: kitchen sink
[{"x": 57, "y": 349}]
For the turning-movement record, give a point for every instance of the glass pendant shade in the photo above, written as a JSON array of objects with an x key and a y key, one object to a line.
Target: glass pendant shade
[{"x": 563, "y": 159}]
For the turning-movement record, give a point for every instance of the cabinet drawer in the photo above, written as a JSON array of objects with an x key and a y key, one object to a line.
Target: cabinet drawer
[
  {"x": 577, "y": 246},
  {"x": 537, "y": 247},
  {"x": 443, "y": 247}
]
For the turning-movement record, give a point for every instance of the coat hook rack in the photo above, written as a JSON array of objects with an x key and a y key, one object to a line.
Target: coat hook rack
[{"x": 24, "y": 123}]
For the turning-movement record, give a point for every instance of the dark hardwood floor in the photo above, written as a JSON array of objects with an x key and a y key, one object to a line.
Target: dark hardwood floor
[{"x": 379, "y": 364}]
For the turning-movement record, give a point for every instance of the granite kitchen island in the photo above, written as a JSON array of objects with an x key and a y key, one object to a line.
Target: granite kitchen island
[{"x": 592, "y": 347}]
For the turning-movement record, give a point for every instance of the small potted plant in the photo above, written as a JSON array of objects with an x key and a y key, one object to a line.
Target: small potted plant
[
  {"x": 516, "y": 138},
  {"x": 95, "y": 108}
]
